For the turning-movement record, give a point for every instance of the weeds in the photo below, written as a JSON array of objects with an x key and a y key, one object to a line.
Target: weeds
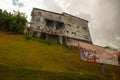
[
  {"x": 48, "y": 42},
  {"x": 27, "y": 37}
]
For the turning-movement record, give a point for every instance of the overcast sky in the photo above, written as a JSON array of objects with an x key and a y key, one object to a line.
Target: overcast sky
[{"x": 103, "y": 15}]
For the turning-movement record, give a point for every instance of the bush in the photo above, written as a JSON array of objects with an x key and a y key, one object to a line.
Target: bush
[
  {"x": 27, "y": 37},
  {"x": 14, "y": 23},
  {"x": 46, "y": 42}
]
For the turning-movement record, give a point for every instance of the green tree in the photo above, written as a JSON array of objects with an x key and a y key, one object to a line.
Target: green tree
[{"x": 14, "y": 23}]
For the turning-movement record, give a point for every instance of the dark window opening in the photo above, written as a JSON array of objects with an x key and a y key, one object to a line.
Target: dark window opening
[
  {"x": 37, "y": 27},
  {"x": 84, "y": 28},
  {"x": 49, "y": 22},
  {"x": 59, "y": 25},
  {"x": 49, "y": 25},
  {"x": 74, "y": 33},
  {"x": 86, "y": 37},
  {"x": 67, "y": 31},
  {"x": 37, "y": 19},
  {"x": 69, "y": 40}
]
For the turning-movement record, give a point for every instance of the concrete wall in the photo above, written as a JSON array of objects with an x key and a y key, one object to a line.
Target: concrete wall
[{"x": 76, "y": 27}]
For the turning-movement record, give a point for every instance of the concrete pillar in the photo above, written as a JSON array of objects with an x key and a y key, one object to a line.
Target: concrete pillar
[
  {"x": 38, "y": 34},
  {"x": 60, "y": 40},
  {"x": 54, "y": 23},
  {"x": 54, "y": 26}
]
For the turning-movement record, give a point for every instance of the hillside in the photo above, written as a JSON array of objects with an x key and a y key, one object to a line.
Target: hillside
[{"x": 26, "y": 58}]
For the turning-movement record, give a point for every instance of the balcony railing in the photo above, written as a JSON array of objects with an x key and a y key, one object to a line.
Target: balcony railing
[{"x": 53, "y": 31}]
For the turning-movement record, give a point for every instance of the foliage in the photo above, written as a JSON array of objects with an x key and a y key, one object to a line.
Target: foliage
[
  {"x": 27, "y": 37},
  {"x": 48, "y": 42},
  {"x": 14, "y": 23}
]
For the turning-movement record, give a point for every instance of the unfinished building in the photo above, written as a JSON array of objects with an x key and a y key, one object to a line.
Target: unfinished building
[{"x": 64, "y": 28}]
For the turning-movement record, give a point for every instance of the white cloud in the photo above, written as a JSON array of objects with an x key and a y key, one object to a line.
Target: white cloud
[{"x": 27, "y": 8}]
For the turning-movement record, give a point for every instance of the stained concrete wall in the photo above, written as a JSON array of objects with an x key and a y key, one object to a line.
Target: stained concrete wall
[
  {"x": 76, "y": 27},
  {"x": 73, "y": 27}
]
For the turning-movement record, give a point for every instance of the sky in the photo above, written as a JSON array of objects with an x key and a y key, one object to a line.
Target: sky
[{"x": 103, "y": 15}]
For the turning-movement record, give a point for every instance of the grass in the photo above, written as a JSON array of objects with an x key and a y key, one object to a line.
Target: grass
[{"x": 27, "y": 58}]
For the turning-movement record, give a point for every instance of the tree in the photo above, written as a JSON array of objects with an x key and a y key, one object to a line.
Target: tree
[{"x": 14, "y": 23}]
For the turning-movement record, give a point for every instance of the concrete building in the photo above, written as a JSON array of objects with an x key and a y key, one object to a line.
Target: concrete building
[{"x": 64, "y": 28}]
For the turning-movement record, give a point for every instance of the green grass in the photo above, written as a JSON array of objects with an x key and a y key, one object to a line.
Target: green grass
[{"x": 27, "y": 58}]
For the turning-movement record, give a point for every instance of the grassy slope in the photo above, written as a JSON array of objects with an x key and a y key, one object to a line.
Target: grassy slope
[{"x": 22, "y": 59}]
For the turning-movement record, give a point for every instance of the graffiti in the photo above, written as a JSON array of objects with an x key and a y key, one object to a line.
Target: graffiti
[
  {"x": 97, "y": 54},
  {"x": 88, "y": 55}
]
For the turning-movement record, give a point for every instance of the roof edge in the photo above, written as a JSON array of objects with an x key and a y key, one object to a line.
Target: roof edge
[
  {"x": 60, "y": 13},
  {"x": 47, "y": 11},
  {"x": 75, "y": 17}
]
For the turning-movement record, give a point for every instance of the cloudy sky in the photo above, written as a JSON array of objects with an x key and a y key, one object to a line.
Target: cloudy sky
[{"x": 103, "y": 15}]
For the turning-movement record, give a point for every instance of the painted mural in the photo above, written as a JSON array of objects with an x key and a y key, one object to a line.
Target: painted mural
[{"x": 94, "y": 53}]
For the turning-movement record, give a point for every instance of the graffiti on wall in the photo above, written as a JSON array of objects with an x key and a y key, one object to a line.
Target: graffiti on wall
[
  {"x": 96, "y": 54},
  {"x": 88, "y": 55}
]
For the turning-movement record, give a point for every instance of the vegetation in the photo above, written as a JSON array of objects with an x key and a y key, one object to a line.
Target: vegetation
[
  {"x": 32, "y": 59},
  {"x": 27, "y": 37},
  {"x": 48, "y": 42},
  {"x": 14, "y": 23}
]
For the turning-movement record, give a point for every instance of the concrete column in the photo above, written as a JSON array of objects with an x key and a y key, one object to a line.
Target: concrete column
[
  {"x": 38, "y": 34},
  {"x": 60, "y": 40},
  {"x": 54, "y": 25}
]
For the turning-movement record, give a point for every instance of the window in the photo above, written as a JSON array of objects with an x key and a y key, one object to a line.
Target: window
[
  {"x": 37, "y": 19},
  {"x": 67, "y": 31},
  {"x": 37, "y": 27},
  {"x": 85, "y": 28},
  {"x": 69, "y": 40},
  {"x": 74, "y": 33},
  {"x": 39, "y": 13},
  {"x": 86, "y": 37}
]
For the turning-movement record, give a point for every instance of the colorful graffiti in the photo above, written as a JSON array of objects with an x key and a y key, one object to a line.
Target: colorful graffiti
[
  {"x": 88, "y": 55},
  {"x": 93, "y": 53}
]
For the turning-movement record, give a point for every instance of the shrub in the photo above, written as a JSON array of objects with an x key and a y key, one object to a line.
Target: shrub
[
  {"x": 27, "y": 37},
  {"x": 12, "y": 22},
  {"x": 46, "y": 42}
]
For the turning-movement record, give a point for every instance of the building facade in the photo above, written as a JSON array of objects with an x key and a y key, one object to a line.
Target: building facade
[{"x": 64, "y": 28}]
